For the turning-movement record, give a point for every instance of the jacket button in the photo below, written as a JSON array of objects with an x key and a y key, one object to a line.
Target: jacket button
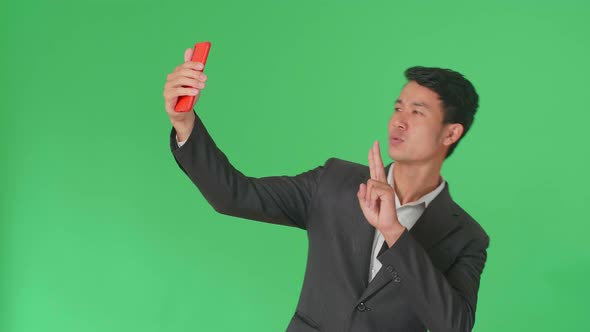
[
  {"x": 389, "y": 268},
  {"x": 361, "y": 307},
  {"x": 397, "y": 279}
]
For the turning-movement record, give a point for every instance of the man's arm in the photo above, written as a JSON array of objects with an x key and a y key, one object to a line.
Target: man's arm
[
  {"x": 277, "y": 199},
  {"x": 444, "y": 302}
]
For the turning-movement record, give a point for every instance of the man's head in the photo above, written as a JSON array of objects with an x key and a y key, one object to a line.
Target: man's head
[{"x": 434, "y": 111}]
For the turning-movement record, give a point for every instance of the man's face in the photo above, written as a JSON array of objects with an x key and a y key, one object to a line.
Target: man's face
[{"x": 416, "y": 130}]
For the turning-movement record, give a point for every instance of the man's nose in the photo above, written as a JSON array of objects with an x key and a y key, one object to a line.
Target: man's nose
[{"x": 399, "y": 121}]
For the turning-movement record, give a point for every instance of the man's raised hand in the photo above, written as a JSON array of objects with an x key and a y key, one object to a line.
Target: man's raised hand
[
  {"x": 185, "y": 80},
  {"x": 377, "y": 197}
]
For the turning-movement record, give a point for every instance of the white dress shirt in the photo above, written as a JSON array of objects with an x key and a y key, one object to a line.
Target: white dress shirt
[{"x": 407, "y": 215}]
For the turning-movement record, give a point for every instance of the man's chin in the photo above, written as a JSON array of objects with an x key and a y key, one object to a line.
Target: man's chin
[
  {"x": 401, "y": 157},
  {"x": 395, "y": 154}
]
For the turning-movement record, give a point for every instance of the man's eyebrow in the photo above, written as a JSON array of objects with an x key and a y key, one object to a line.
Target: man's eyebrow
[{"x": 419, "y": 104}]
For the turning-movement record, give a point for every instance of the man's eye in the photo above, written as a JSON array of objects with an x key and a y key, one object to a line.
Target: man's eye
[
  {"x": 416, "y": 112},
  {"x": 397, "y": 109}
]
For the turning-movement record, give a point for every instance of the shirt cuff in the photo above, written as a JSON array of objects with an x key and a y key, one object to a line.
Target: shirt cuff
[{"x": 179, "y": 143}]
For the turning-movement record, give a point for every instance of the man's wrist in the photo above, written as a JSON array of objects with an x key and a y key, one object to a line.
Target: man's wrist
[
  {"x": 393, "y": 233},
  {"x": 179, "y": 143},
  {"x": 183, "y": 129}
]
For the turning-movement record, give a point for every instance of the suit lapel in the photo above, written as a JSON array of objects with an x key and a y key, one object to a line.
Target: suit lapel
[
  {"x": 437, "y": 220},
  {"x": 365, "y": 234}
]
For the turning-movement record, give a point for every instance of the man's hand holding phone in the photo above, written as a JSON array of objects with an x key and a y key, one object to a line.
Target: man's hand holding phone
[{"x": 187, "y": 79}]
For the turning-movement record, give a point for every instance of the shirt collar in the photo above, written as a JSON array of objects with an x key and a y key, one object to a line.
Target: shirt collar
[{"x": 426, "y": 199}]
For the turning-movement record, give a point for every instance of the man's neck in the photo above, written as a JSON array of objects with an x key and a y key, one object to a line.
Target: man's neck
[{"x": 412, "y": 181}]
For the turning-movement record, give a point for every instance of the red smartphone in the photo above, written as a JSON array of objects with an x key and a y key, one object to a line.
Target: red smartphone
[{"x": 200, "y": 53}]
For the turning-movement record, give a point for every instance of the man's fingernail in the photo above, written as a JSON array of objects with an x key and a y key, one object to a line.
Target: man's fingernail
[{"x": 199, "y": 65}]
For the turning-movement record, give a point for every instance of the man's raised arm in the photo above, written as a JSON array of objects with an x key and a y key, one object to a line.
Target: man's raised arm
[{"x": 277, "y": 199}]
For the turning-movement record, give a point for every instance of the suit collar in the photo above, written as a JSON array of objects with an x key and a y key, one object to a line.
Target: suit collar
[{"x": 438, "y": 220}]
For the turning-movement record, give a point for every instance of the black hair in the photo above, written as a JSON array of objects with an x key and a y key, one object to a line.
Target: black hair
[{"x": 458, "y": 97}]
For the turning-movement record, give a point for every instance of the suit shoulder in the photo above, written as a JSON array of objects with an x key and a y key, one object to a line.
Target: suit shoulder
[
  {"x": 470, "y": 223},
  {"x": 345, "y": 165}
]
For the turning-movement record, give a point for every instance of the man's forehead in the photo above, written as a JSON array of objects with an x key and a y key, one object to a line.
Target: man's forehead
[{"x": 417, "y": 95}]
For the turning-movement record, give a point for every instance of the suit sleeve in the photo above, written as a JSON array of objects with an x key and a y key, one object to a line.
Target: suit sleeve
[
  {"x": 443, "y": 301},
  {"x": 283, "y": 200}
]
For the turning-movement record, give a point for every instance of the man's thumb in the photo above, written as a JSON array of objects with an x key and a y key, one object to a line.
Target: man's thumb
[{"x": 188, "y": 54}]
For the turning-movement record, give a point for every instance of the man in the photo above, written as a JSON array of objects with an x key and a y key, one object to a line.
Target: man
[{"x": 389, "y": 250}]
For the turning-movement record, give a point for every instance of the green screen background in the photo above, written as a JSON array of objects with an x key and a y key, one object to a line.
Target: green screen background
[{"x": 101, "y": 231}]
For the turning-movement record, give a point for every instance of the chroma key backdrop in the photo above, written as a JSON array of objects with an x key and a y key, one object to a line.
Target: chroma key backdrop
[{"x": 100, "y": 230}]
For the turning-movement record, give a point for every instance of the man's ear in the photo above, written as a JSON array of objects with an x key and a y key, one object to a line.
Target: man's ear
[{"x": 452, "y": 133}]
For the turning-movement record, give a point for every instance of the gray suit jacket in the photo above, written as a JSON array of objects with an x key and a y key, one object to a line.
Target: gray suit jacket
[{"x": 430, "y": 276}]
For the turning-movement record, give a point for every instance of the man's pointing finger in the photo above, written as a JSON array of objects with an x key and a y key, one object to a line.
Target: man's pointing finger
[{"x": 378, "y": 163}]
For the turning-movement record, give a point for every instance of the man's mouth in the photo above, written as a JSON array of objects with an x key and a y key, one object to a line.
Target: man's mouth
[{"x": 395, "y": 140}]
